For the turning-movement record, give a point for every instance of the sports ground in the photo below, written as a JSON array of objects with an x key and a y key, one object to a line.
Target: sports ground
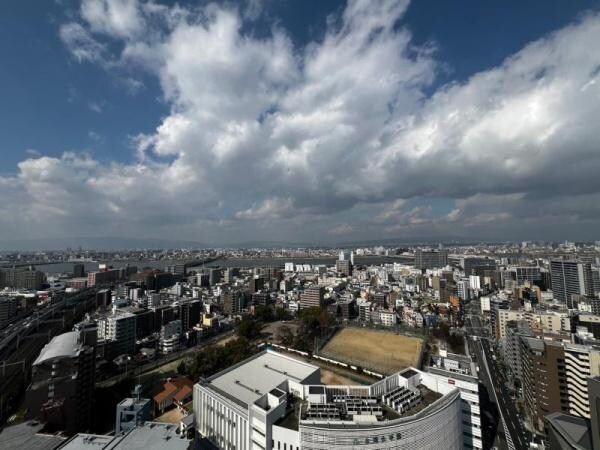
[{"x": 374, "y": 350}]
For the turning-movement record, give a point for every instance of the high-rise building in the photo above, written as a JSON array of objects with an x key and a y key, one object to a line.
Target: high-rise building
[
  {"x": 344, "y": 266},
  {"x": 313, "y": 296},
  {"x": 256, "y": 284},
  {"x": 62, "y": 383},
  {"x": 580, "y": 363},
  {"x": 229, "y": 274},
  {"x": 214, "y": 276},
  {"x": 78, "y": 270},
  {"x": 22, "y": 278},
  {"x": 431, "y": 259},
  {"x": 569, "y": 278},
  {"x": 527, "y": 274},
  {"x": 189, "y": 313},
  {"x": 512, "y": 347},
  {"x": 544, "y": 388}
]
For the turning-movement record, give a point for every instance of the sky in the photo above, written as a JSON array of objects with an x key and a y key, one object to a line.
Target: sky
[{"x": 300, "y": 121}]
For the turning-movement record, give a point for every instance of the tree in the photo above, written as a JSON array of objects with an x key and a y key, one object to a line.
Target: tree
[
  {"x": 282, "y": 314},
  {"x": 248, "y": 328},
  {"x": 286, "y": 336},
  {"x": 264, "y": 313}
]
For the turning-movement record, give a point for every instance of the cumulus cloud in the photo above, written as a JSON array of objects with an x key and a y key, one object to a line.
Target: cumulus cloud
[{"x": 264, "y": 131}]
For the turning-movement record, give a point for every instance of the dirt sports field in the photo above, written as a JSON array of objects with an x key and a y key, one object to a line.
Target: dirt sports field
[{"x": 372, "y": 349}]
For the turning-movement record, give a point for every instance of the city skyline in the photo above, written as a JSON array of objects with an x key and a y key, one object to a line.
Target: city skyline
[{"x": 267, "y": 121}]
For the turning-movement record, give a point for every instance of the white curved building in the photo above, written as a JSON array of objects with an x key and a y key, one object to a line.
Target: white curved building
[{"x": 273, "y": 401}]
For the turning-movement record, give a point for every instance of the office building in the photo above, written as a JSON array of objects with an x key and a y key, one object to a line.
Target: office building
[
  {"x": 78, "y": 270},
  {"x": 313, "y": 296},
  {"x": 62, "y": 383},
  {"x": 189, "y": 313},
  {"x": 570, "y": 278},
  {"x": 178, "y": 270},
  {"x": 256, "y": 284},
  {"x": 473, "y": 265},
  {"x": 274, "y": 402},
  {"x": 103, "y": 298},
  {"x": 344, "y": 267},
  {"x": 463, "y": 289},
  {"x": 530, "y": 275},
  {"x": 214, "y": 276},
  {"x": 431, "y": 259},
  {"x": 229, "y": 274}
]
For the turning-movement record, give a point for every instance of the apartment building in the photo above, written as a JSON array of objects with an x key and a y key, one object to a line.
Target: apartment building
[{"x": 581, "y": 362}]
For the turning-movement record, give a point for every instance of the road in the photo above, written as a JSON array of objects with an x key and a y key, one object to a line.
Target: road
[{"x": 515, "y": 435}]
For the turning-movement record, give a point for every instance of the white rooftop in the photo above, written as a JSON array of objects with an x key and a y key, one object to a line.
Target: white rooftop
[{"x": 256, "y": 377}]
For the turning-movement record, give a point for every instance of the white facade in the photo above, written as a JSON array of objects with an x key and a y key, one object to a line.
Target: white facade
[
  {"x": 119, "y": 327},
  {"x": 387, "y": 318},
  {"x": 485, "y": 304},
  {"x": 581, "y": 362},
  {"x": 246, "y": 408}
]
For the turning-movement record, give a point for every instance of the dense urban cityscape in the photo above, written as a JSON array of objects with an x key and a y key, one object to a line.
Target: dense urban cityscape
[
  {"x": 478, "y": 346},
  {"x": 299, "y": 225}
]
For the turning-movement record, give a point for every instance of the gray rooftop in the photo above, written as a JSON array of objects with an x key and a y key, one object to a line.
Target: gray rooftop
[
  {"x": 257, "y": 376},
  {"x": 150, "y": 436},
  {"x": 64, "y": 345},
  {"x": 574, "y": 430},
  {"x": 27, "y": 436}
]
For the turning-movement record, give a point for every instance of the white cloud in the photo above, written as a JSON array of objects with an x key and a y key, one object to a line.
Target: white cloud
[
  {"x": 341, "y": 230},
  {"x": 262, "y": 131},
  {"x": 120, "y": 18}
]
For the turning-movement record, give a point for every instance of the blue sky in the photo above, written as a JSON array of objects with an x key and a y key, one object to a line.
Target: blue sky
[{"x": 117, "y": 87}]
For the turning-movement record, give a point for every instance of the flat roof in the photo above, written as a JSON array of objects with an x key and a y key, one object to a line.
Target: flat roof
[
  {"x": 150, "y": 436},
  {"x": 255, "y": 377},
  {"x": 28, "y": 435}
]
